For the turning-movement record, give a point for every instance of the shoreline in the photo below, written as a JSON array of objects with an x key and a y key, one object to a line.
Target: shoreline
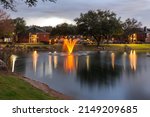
[
  {"x": 78, "y": 47},
  {"x": 45, "y": 88},
  {"x": 41, "y": 86}
]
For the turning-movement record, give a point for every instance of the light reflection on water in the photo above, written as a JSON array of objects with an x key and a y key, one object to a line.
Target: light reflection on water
[
  {"x": 55, "y": 61},
  {"x": 113, "y": 60},
  {"x": 50, "y": 65},
  {"x": 35, "y": 60},
  {"x": 69, "y": 63},
  {"x": 124, "y": 56},
  {"x": 94, "y": 75},
  {"x": 133, "y": 60}
]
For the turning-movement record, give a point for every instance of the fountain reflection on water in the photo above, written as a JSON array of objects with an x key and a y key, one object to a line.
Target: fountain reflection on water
[{"x": 69, "y": 63}]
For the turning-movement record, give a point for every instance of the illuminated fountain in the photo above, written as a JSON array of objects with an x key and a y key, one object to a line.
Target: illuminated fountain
[
  {"x": 69, "y": 63},
  {"x": 69, "y": 44},
  {"x": 13, "y": 60}
]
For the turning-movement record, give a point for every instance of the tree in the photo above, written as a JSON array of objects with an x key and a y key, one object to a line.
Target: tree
[
  {"x": 47, "y": 28},
  {"x": 10, "y": 4},
  {"x": 99, "y": 24},
  {"x": 131, "y": 26},
  {"x": 6, "y": 25},
  {"x": 20, "y": 26},
  {"x": 64, "y": 29}
]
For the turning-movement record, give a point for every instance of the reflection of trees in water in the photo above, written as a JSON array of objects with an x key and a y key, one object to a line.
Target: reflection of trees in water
[{"x": 100, "y": 72}]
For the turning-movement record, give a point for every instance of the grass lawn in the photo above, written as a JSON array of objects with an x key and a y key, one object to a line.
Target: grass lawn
[
  {"x": 12, "y": 88},
  {"x": 138, "y": 47},
  {"x": 133, "y": 46},
  {"x": 78, "y": 47}
]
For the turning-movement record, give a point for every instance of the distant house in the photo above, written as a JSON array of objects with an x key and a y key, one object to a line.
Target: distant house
[
  {"x": 139, "y": 36},
  {"x": 34, "y": 35},
  {"x": 6, "y": 40},
  {"x": 147, "y": 40}
]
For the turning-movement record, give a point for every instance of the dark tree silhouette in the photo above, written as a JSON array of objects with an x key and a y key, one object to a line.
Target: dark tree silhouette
[
  {"x": 99, "y": 24},
  {"x": 11, "y": 4}
]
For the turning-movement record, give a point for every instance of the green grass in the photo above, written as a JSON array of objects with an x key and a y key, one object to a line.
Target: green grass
[
  {"x": 139, "y": 46},
  {"x": 132, "y": 46},
  {"x": 12, "y": 88},
  {"x": 58, "y": 47}
]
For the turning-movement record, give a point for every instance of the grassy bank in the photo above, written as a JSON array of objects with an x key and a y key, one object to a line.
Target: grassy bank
[
  {"x": 13, "y": 88},
  {"x": 80, "y": 47},
  {"x": 132, "y": 46},
  {"x": 127, "y": 47}
]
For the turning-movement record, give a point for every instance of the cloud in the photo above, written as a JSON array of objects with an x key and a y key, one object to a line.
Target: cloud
[
  {"x": 70, "y": 9},
  {"x": 53, "y": 21}
]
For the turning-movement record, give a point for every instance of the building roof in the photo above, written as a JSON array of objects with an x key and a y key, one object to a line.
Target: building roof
[{"x": 35, "y": 29}]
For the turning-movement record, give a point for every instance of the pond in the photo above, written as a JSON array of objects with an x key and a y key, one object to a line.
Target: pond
[{"x": 90, "y": 75}]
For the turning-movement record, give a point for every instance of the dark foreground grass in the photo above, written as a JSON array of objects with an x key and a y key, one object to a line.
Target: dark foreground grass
[{"x": 12, "y": 88}]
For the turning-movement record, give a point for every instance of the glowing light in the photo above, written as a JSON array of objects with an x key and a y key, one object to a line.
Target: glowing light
[
  {"x": 124, "y": 60},
  {"x": 13, "y": 61},
  {"x": 87, "y": 62},
  {"x": 55, "y": 61},
  {"x": 69, "y": 64},
  {"x": 50, "y": 65},
  {"x": 70, "y": 44},
  {"x": 34, "y": 60},
  {"x": 133, "y": 60},
  {"x": 33, "y": 38},
  {"x": 133, "y": 37},
  {"x": 113, "y": 60}
]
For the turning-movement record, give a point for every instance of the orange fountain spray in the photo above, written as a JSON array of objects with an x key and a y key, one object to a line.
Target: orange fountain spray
[{"x": 70, "y": 44}]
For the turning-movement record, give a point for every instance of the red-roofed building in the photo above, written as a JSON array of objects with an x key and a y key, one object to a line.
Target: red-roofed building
[{"x": 34, "y": 35}]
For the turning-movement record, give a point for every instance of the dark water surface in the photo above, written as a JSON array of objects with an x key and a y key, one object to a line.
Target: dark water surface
[{"x": 90, "y": 75}]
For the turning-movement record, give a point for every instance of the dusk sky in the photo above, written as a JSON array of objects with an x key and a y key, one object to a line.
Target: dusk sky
[{"x": 51, "y": 14}]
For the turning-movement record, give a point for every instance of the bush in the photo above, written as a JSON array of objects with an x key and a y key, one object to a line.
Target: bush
[{"x": 44, "y": 42}]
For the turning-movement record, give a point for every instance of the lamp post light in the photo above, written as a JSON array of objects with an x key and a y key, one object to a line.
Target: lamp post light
[{"x": 13, "y": 37}]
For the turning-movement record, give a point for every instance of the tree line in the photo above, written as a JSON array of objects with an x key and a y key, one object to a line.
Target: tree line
[{"x": 100, "y": 25}]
